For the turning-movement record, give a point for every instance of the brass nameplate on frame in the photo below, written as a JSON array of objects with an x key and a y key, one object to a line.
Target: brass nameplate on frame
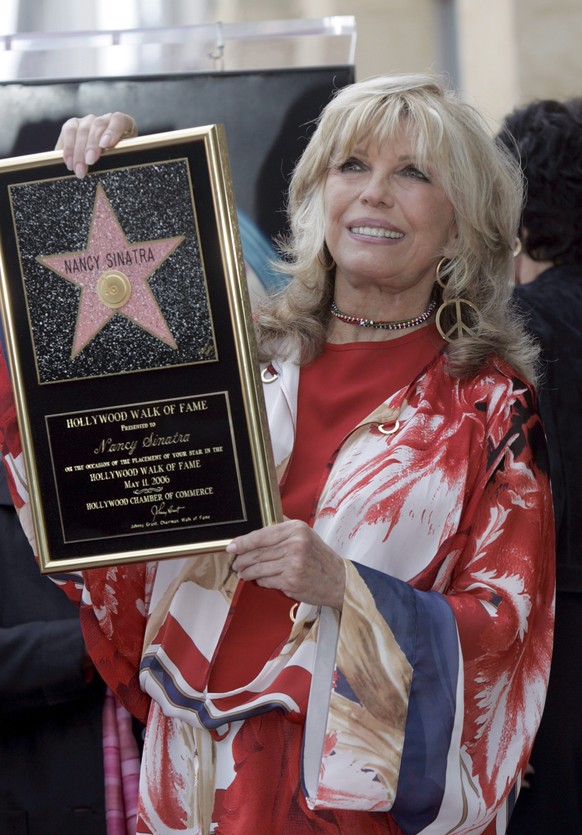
[{"x": 132, "y": 353}]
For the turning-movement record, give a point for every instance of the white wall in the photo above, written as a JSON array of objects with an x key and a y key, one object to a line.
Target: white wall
[{"x": 509, "y": 51}]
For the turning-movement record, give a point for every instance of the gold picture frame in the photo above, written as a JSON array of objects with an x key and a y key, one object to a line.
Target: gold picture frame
[{"x": 131, "y": 349}]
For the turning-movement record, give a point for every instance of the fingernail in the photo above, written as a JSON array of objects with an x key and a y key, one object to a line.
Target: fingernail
[
  {"x": 90, "y": 157},
  {"x": 80, "y": 170},
  {"x": 69, "y": 163},
  {"x": 106, "y": 140},
  {"x": 231, "y": 548}
]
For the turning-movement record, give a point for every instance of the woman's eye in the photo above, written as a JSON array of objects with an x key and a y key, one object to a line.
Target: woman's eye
[
  {"x": 414, "y": 173},
  {"x": 351, "y": 165}
]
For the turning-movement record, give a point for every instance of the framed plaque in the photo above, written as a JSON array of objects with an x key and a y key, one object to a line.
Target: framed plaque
[{"x": 132, "y": 353}]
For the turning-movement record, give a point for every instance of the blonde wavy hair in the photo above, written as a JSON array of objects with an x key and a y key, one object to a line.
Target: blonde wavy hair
[{"x": 481, "y": 180}]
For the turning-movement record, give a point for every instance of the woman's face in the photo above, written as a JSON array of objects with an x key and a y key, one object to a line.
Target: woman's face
[{"x": 386, "y": 221}]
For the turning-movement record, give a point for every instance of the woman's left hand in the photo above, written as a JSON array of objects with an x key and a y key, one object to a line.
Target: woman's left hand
[{"x": 291, "y": 557}]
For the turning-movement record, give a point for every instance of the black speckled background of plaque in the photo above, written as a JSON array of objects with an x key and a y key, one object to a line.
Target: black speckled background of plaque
[{"x": 151, "y": 202}]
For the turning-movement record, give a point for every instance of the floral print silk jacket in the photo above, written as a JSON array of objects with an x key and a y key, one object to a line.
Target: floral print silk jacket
[{"x": 418, "y": 705}]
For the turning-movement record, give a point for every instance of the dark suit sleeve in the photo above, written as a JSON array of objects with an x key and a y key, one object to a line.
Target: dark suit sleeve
[
  {"x": 536, "y": 310},
  {"x": 42, "y": 652},
  {"x": 42, "y": 665}
]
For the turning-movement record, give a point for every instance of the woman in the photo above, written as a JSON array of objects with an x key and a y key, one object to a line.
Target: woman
[
  {"x": 546, "y": 137},
  {"x": 378, "y": 661}
]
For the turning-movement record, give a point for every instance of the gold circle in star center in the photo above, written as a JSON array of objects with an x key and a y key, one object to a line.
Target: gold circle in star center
[{"x": 114, "y": 288}]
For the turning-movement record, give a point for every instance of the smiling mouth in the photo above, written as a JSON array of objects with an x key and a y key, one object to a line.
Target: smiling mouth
[{"x": 375, "y": 232}]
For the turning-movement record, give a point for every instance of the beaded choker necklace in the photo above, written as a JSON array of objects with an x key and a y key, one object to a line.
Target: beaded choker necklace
[{"x": 388, "y": 326}]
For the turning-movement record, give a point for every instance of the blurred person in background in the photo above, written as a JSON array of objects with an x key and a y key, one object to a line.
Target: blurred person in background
[
  {"x": 546, "y": 138},
  {"x": 69, "y": 751},
  {"x": 51, "y": 701}
]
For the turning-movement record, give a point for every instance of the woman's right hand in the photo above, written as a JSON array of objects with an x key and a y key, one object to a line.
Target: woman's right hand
[{"x": 83, "y": 140}]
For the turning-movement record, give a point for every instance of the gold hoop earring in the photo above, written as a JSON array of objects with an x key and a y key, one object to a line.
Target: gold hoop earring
[
  {"x": 439, "y": 279},
  {"x": 456, "y": 327},
  {"x": 517, "y": 247},
  {"x": 326, "y": 263}
]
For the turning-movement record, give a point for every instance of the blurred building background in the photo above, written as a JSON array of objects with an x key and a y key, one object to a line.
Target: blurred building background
[{"x": 500, "y": 52}]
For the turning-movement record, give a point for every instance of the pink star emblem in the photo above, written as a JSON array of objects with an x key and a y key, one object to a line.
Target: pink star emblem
[{"x": 112, "y": 274}]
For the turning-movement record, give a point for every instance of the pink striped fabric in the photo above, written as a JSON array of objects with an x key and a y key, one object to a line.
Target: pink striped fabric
[{"x": 121, "y": 763}]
